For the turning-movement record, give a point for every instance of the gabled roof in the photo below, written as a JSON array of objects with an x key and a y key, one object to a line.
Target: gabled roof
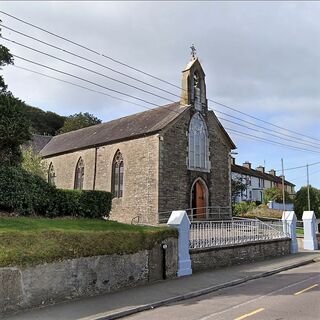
[
  {"x": 225, "y": 133},
  {"x": 129, "y": 127},
  {"x": 37, "y": 142},
  {"x": 258, "y": 174}
]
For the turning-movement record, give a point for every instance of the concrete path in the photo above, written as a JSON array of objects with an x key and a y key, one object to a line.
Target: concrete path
[{"x": 123, "y": 303}]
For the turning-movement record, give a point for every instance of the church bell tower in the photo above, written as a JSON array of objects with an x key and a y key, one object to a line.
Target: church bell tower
[{"x": 193, "y": 84}]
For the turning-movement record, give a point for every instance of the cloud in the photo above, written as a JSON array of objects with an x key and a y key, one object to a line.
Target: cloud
[{"x": 260, "y": 57}]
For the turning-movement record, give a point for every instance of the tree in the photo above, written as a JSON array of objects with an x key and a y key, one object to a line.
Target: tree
[
  {"x": 44, "y": 122},
  {"x": 275, "y": 194},
  {"x": 5, "y": 58},
  {"x": 78, "y": 121},
  {"x": 33, "y": 163},
  {"x": 301, "y": 201},
  {"x": 237, "y": 186},
  {"x": 14, "y": 129}
]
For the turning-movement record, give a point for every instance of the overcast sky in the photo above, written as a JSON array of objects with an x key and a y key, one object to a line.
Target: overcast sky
[{"x": 262, "y": 58}]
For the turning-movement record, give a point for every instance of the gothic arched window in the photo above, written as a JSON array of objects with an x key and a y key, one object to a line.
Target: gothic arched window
[
  {"x": 117, "y": 175},
  {"x": 79, "y": 175},
  {"x": 51, "y": 175},
  {"x": 198, "y": 143}
]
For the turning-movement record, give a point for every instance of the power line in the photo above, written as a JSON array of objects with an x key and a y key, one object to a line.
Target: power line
[
  {"x": 111, "y": 69},
  {"x": 87, "y": 69},
  {"x": 89, "y": 49},
  {"x": 272, "y": 141},
  {"x": 82, "y": 79},
  {"x": 258, "y": 126},
  {"x": 258, "y": 119},
  {"x": 91, "y": 82},
  {"x": 150, "y": 75},
  {"x": 80, "y": 86},
  {"x": 86, "y": 59},
  {"x": 303, "y": 166},
  {"x": 116, "y": 80},
  {"x": 267, "y": 133}
]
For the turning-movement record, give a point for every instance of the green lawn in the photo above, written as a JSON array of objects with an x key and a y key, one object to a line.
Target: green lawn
[{"x": 28, "y": 241}]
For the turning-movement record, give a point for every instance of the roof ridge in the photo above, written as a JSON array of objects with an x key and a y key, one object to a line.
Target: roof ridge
[{"x": 117, "y": 119}]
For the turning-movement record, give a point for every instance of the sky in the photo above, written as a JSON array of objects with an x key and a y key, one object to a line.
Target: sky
[{"x": 261, "y": 58}]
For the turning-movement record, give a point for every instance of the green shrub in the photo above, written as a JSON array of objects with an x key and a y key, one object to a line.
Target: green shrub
[
  {"x": 84, "y": 203},
  {"x": 23, "y": 192},
  {"x": 28, "y": 194},
  {"x": 243, "y": 207}
]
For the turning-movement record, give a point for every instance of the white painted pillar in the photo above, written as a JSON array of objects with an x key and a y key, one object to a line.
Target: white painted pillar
[
  {"x": 310, "y": 241},
  {"x": 289, "y": 221},
  {"x": 180, "y": 220}
]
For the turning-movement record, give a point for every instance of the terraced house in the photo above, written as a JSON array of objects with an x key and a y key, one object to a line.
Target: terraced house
[
  {"x": 257, "y": 180},
  {"x": 172, "y": 157}
]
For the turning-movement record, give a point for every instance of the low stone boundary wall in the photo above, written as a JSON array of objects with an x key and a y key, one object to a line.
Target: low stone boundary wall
[
  {"x": 222, "y": 256},
  {"x": 45, "y": 284}
]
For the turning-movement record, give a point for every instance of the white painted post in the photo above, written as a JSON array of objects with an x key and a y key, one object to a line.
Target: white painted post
[
  {"x": 289, "y": 221},
  {"x": 310, "y": 241},
  {"x": 179, "y": 219}
]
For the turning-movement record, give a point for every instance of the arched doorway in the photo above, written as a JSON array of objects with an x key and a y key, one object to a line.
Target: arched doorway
[{"x": 199, "y": 199}]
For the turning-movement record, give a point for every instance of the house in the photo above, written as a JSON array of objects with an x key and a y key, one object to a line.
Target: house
[
  {"x": 168, "y": 158},
  {"x": 256, "y": 181}
]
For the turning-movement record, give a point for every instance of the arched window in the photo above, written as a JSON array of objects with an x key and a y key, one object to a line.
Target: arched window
[
  {"x": 198, "y": 143},
  {"x": 79, "y": 175},
  {"x": 117, "y": 175},
  {"x": 51, "y": 175}
]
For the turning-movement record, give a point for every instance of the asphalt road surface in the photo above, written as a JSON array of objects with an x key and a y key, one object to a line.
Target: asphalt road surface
[{"x": 289, "y": 295}]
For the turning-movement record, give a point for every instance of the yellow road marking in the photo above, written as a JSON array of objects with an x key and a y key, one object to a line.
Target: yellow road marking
[
  {"x": 306, "y": 289},
  {"x": 249, "y": 314}
]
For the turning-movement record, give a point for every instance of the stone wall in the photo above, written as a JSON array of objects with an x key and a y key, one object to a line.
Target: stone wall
[
  {"x": 175, "y": 180},
  {"x": 23, "y": 288},
  {"x": 140, "y": 190},
  {"x": 223, "y": 256}
]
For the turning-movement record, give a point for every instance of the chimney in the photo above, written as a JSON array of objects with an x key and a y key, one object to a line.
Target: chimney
[
  {"x": 247, "y": 165},
  {"x": 272, "y": 172},
  {"x": 260, "y": 168},
  {"x": 233, "y": 160}
]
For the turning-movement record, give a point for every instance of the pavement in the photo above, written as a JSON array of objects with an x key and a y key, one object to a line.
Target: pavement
[{"x": 127, "y": 302}]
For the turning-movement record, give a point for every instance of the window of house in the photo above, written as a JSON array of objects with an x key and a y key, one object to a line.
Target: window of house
[
  {"x": 51, "y": 175},
  {"x": 79, "y": 175},
  {"x": 198, "y": 143},
  {"x": 117, "y": 175}
]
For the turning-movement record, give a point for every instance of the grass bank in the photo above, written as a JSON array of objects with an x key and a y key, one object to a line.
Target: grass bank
[{"x": 28, "y": 241}]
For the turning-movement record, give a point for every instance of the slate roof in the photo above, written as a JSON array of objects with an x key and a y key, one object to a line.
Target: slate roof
[
  {"x": 255, "y": 173},
  {"x": 129, "y": 127},
  {"x": 37, "y": 143}
]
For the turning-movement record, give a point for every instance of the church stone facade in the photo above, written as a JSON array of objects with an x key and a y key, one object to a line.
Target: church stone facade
[{"x": 169, "y": 158}]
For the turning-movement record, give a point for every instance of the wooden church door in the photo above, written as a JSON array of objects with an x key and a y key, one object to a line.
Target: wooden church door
[{"x": 200, "y": 200}]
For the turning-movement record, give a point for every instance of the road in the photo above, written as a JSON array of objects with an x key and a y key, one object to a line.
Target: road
[{"x": 290, "y": 295}]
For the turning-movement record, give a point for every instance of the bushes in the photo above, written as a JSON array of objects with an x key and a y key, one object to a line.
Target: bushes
[
  {"x": 84, "y": 203},
  {"x": 28, "y": 194},
  {"x": 243, "y": 207}
]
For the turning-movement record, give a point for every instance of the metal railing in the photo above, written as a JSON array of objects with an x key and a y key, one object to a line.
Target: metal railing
[
  {"x": 206, "y": 234},
  {"x": 201, "y": 214}
]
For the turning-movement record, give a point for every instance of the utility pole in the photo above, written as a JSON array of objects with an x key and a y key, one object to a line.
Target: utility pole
[
  {"x": 283, "y": 193},
  {"x": 308, "y": 187}
]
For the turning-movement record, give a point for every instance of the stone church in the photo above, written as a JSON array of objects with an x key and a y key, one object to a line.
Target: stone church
[{"x": 172, "y": 157}]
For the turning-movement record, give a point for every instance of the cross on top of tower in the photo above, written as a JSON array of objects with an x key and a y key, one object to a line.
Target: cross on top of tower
[{"x": 193, "y": 51}]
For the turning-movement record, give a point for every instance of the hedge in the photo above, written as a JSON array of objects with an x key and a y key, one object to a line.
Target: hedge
[{"x": 28, "y": 194}]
